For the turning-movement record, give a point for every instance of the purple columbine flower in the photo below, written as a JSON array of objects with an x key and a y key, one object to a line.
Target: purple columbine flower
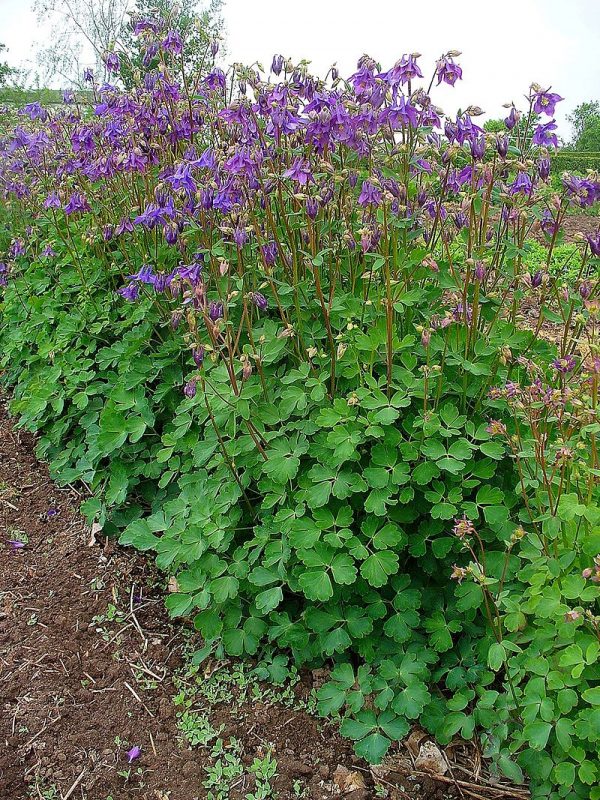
[
  {"x": 277, "y": 64},
  {"x": 34, "y": 111},
  {"x": 88, "y": 75},
  {"x": 312, "y": 207},
  {"x": 544, "y": 134},
  {"x": 112, "y": 62},
  {"x": 594, "y": 243},
  {"x": 16, "y": 544},
  {"x": 173, "y": 43},
  {"x": 131, "y": 292},
  {"x": 543, "y": 166},
  {"x": 134, "y": 753},
  {"x": 404, "y": 70},
  {"x": 259, "y": 300},
  {"x": 189, "y": 391},
  {"x": 564, "y": 365},
  {"x": 215, "y": 310},
  {"x": 77, "y": 202},
  {"x": 52, "y": 201},
  {"x": 512, "y": 119},
  {"x": 477, "y": 145},
  {"x": 448, "y": 71},
  {"x": 537, "y": 279},
  {"x": 300, "y": 172},
  {"x": 370, "y": 194},
  {"x": 198, "y": 355},
  {"x": 585, "y": 290},
  {"x": 502, "y": 146},
  {"x": 522, "y": 184},
  {"x": 269, "y": 252},
  {"x": 545, "y": 103}
]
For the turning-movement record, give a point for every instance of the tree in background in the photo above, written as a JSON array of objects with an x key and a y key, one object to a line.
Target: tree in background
[
  {"x": 199, "y": 25},
  {"x": 82, "y": 32},
  {"x": 6, "y": 72},
  {"x": 585, "y": 120}
]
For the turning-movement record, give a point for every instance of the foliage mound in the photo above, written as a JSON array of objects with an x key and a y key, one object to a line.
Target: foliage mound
[{"x": 272, "y": 323}]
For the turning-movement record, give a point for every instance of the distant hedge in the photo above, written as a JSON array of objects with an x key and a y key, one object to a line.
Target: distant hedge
[{"x": 575, "y": 161}]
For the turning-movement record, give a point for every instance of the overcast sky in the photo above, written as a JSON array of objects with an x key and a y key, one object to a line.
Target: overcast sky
[{"x": 506, "y": 44}]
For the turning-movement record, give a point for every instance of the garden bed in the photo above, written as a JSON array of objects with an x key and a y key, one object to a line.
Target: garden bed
[{"x": 92, "y": 666}]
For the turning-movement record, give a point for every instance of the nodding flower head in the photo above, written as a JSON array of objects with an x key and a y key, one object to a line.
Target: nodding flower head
[
  {"x": 112, "y": 62},
  {"x": 259, "y": 300},
  {"x": 448, "y": 71},
  {"x": 215, "y": 310},
  {"x": 543, "y": 167},
  {"x": 565, "y": 364},
  {"x": 198, "y": 355},
  {"x": 496, "y": 428},
  {"x": 513, "y": 118},
  {"x": 594, "y": 243},
  {"x": 134, "y": 753},
  {"x": 189, "y": 389},
  {"x": 277, "y": 64},
  {"x": 502, "y": 146},
  {"x": 463, "y": 528}
]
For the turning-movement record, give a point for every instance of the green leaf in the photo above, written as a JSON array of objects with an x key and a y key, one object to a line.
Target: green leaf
[
  {"x": 496, "y": 656},
  {"x": 373, "y": 748},
  {"x": 377, "y": 568},
  {"x": 269, "y": 599},
  {"x": 537, "y": 734},
  {"x": 316, "y": 585}
]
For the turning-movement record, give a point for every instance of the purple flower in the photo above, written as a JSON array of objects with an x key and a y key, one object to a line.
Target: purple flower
[
  {"x": 112, "y": 62},
  {"x": 189, "y": 391},
  {"x": 477, "y": 145},
  {"x": 131, "y": 292},
  {"x": 594, "y": 243},
  {"x": 173, "y": 43},
  {"x": 144, "y": 275},
  {"x": 502, "y": 146},
  {"x": 269, "y": 253},
  {"x": 512, "y": 119},
  {"x": 544, "y": 134},
  {"x": 522, "y": 184},
  {"x": 583, "y": 191},
  {"x": 16, "y": 544},
  {"x": 545, "y": 103},
  {"x": 134, "y": 753},
  {"x": 34, "y": 111},
  {"x": 564, "y": 365},
  {"x": 370, "y": 194},
  {"x": 198, "y": 355},
  {"x": 215, "y": 310},
  {"x": 88, "y": 75},
  {"x": 52, "y": 201},
  {"x": 447, "y": 71},
  {"x": 77, "y": 202},
  {"x": 537, "y": 279},
  {"x": 259, "y": 300},
  {"x": 403, "y": 71},
  {"x": 277, "y": 64},
  {"x": 300, "y": 172},
  {"x": 543, "y": 166}
]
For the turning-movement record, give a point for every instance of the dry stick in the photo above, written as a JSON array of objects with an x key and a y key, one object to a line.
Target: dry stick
[
  {"x": 138, "y": 698},
  {"x": 75, "y": 785}
]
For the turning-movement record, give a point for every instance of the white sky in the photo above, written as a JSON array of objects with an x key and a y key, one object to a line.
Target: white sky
[{"x": 506, "y": 44}]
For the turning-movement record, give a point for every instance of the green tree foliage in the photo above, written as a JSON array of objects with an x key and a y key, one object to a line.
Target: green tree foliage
[
  {"x": 199, "y": 25},
  {"x": 585, "y": 120}
]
